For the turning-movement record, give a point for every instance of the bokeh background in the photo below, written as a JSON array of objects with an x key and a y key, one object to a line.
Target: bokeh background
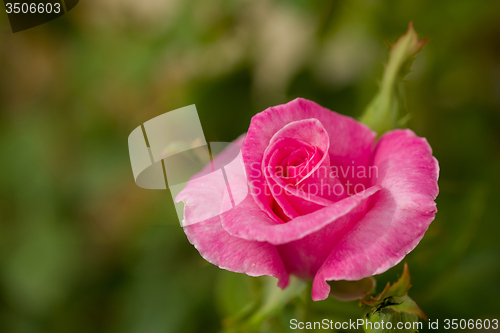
[{"x": 83, "y": 249}]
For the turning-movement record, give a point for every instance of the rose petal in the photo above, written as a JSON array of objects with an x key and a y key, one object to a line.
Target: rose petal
[
  {"x": 236, "y": 254},
  {"x": 205, "y": 197},
  {"x": 350, "y": 142},
  {"x": 311, "y": 135},
  {"x": 295, "y": 195},
  {"x": 249, "y": 222},
  {"x": 274, "y": 184},
  {"x": 305, "y": 256},
  {"x": 212, "y": 241},
  {"x": 401, "y": 213}
]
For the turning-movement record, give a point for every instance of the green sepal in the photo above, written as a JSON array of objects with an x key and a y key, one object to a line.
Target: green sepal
[
  {"x": 385, "y": 110},
  {"x": 393, "y": 304},
  {"x": 394, "y": 317}
]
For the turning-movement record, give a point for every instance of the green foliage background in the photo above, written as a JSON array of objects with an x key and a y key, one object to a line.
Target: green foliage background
[{"x": 83, "y": 249}]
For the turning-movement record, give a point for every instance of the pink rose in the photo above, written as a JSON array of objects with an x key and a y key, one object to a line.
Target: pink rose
[{"x": 326, "y": 201}]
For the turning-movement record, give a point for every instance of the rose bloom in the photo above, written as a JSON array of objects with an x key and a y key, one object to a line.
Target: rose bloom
[{"x": 326, "y": 201}]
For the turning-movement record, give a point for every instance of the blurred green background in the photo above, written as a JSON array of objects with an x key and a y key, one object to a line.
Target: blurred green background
[{"x": 83, "y": 249}]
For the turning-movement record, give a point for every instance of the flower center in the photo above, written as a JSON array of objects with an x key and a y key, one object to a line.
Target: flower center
[{"x": 296, "y": 163}]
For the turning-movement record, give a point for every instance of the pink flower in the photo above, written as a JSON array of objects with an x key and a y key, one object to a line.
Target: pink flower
[{"x": 327, "y": 201}]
